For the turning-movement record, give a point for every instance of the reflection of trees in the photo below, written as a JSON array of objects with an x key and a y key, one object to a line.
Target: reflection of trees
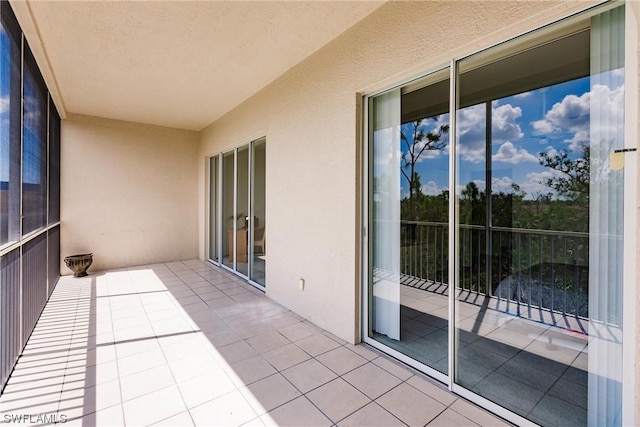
[
  {"x": 513, "y": 250},
  {"x": 564, "y": 208},
  {"x": 569, "y": 211},
  {"x": 416, "y": 141},
  {"x": 432, "y": 208},
  {"x": 552, "y": 253},
  {"x": 494, "y": 239},
  {"x": 573, "y": 180},
  {"x": 472, "y": 205}
]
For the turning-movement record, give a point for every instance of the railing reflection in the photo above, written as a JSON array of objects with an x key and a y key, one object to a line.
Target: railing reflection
[{"x": 525, "y": 270}]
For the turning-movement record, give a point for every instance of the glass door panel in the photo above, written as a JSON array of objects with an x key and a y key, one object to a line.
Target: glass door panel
[
  {"x": 213, "y": 209},
  {"x": 258, "y": 248},
  {"x": 228, "y": 209},
  {"x": 539, "y": 226},
  {"x": 237, "y": 220},
  {"x": 242, "y": 211},
  {"x": 408, "y": 275}
]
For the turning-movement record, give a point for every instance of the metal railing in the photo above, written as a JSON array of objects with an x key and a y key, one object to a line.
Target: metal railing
[
  {"x": 28, "y": 274},
  {"x": 10, "y": 314},
  {"x": 525, "y": 268}
]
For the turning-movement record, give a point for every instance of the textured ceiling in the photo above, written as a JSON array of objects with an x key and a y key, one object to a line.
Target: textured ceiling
[{"x": 174, "y": 63}]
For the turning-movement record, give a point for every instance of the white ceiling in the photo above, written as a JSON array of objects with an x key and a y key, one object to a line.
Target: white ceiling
[{"x": 181, "y": 64}]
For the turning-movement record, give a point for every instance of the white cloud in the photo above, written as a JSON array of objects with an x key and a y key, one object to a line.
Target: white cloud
[
  {"x": 502, "y": 185},
  {"x": 431, "y": 189},
  {"x": 544, "y": 175},
  {"x": 573, "y": 114},
  {"x": 481, "y": 184},
  {"x": 541, "y": 127},
  {"x": 535, "y": 183},
  {"x": 4, "y": 104},
  {"x": 570, "y": 114},
  {"x": 523, "y": 95},
  {"x": 504, "y": 126},
  {"x": 430, "y": 154},
  {"x": 471, "y": 133},
  {"x": 508, "y": 153},
  {"x": 472, "y": 129}
]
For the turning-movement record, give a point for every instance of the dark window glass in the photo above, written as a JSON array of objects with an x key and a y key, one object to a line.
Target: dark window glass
[
  {"x": 34, "y": 147},
  {"x": 54, "y": 164},
  {"x": 10, "y": 111}
]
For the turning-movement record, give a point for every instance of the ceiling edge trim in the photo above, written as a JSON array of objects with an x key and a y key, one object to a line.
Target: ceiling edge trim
[{"x": 24, "y": 15}]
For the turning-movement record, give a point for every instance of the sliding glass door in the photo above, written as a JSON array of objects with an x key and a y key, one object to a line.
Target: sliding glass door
[
  {"x": 525, "y": 316},
  {"x": 214, "y": 177},
  {"x": 237, "y": 214},
  {"x": 409, "y": 217},
  {"x": 258, "y": 236},
  {"x": 242, "y": 211},
  {"x": 228, "y": 217},
  {"x": 539, "y": 226}
]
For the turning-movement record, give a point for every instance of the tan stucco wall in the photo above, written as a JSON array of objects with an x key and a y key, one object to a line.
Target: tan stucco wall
[
  {"x": 310, "y": 118},
  {"x": 129, "y": 192}
]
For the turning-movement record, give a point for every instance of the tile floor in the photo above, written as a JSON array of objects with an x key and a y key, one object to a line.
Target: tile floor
[
  {"x": 536, "y": 368},
  {"x": 185, "y": 343}
]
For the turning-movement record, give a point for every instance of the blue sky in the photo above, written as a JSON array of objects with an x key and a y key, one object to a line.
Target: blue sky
[
  {"x": 549, "y": 119},
  {"x": 33, "y": 120},
  {"x": 4, "y": 106}
]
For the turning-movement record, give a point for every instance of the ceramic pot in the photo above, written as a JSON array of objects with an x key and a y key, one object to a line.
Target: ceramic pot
[{"x": 79, "y": 264}]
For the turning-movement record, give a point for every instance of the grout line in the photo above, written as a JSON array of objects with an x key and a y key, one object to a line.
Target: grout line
[{"x": 182, "y": 273}]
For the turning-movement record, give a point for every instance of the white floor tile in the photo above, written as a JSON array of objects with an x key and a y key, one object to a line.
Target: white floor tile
[
  {"x": 146, "y": 381},
  {"x": 153, "y": 407},
  {"x": 185, "y": 343},
  {"x": 229, "y": 410},
  {"x": 205, "y": 387}
]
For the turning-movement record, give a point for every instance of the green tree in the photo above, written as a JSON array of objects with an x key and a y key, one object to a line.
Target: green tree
[
  {"x": 416, "y": 141},
  {"x": 573, "y": 180},
  {"x": 569, "y": 211},
  {"x": 472, "y": 205}
]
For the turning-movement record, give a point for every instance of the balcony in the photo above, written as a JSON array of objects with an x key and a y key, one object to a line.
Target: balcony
[
  {"x": 526, "y": 329},
  {"x": 186, "y": 343}
]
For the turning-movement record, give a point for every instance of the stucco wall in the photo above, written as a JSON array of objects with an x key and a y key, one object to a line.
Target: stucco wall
[
  {"x": 310, "y": 117},
  {"x": 129, "y": 192}
]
